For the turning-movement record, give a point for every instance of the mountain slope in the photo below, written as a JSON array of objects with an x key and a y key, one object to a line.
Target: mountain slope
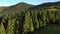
[
  {"x": 17, "y": 8},
  {"x": 24, "y": 18},
  {"x": 47, "y": 5},
  {"x": 1, "y": 9}
]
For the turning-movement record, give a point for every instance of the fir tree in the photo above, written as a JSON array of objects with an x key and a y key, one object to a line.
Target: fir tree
[
  {"x": 2, "y": 30},
  {"x": 11, "y": 26},
  {"x": 28, "y": 25}
]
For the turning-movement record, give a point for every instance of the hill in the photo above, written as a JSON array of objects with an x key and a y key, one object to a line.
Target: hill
[
  {"x": 18, "y": 7},
  {"x": 49, "y": 5},
  {"x": 24, "y": 18},
  {"x": 1, "y": 9}
]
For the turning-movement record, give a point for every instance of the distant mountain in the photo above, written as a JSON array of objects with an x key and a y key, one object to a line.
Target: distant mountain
[
  {"x": 1, "y": 9},
  {"x": 24, "y": 6},
  {"x": 18, "y": 7},
  {"x": 47, "y": 5}
]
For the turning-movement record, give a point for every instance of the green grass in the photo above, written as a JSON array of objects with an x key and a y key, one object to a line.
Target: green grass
[{"x": 51, "y": 29}]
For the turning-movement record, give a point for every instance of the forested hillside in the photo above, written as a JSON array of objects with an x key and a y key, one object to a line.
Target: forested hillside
[
  {"x": 24, "y": 18},
  {"x": 2, "y": 8}
]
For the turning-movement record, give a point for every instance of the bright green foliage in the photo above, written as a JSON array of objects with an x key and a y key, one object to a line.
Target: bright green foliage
[
  {"x": 35, "y": 19},
  {"x": 31, "y": 27},
  {"x": 44, "y": 18},
  {"x": 28, "y": 25},
  {"x": 40, "y": 23},
  {"x": 44, "y": 21},
  {"x": 11, "y": 26},
  {"x": 2, "y": 30}
]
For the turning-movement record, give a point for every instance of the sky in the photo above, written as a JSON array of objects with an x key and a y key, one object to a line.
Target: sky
[{"x": 33, "y": 2}]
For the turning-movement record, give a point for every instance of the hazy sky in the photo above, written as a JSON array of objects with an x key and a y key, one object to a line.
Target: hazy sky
[{"x": 34, "y": 2}]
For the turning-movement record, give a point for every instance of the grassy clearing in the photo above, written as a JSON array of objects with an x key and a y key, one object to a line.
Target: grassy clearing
[{"x": 51, "y": 29}]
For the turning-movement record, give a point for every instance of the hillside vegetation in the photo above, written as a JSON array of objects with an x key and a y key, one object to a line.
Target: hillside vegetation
[
  {"x": 1, "y": 9},
  {"x": 24, "y": 18}
]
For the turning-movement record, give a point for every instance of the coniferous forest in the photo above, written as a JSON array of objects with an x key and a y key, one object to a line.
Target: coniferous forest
[{"x": 24, "y": 18}]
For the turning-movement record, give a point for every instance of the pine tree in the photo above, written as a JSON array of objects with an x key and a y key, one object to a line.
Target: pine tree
[
  {"x": 11, "y": 26},
  {"x": 2, "y": 30},
  {"x": 40, "y": 23},
  {"x": 43, "y": 18},
  {"x": 35, "y": 19},
  {"x": 31, "y": 25},
  {"x": 40, "y": 19},
  {"x": 28, "y": 25}
]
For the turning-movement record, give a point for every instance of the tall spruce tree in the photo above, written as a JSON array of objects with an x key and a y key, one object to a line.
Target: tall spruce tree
[
  {"x": 11, "y": 26},
  {"x": 44, "y": 18},
  {"x": 28, "y": 25},
  {"x": 2, "y": 30}
]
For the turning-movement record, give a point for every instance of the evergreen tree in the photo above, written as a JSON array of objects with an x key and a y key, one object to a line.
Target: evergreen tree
[
  {"x": 28, "y": 25},
  {"x": 11, "y": 26},
  {"x": 44, "y": 18},
  {"x": 2, "y": 30},
  {"x": 35, "y": 19}
]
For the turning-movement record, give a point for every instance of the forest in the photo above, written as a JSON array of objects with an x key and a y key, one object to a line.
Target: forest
[{"x": 26, "y": 19}]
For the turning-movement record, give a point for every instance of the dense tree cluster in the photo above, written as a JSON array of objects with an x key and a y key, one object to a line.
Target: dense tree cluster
[
  {"x": 24, "y": 18},
  {"x": 22, "y": 22}
]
